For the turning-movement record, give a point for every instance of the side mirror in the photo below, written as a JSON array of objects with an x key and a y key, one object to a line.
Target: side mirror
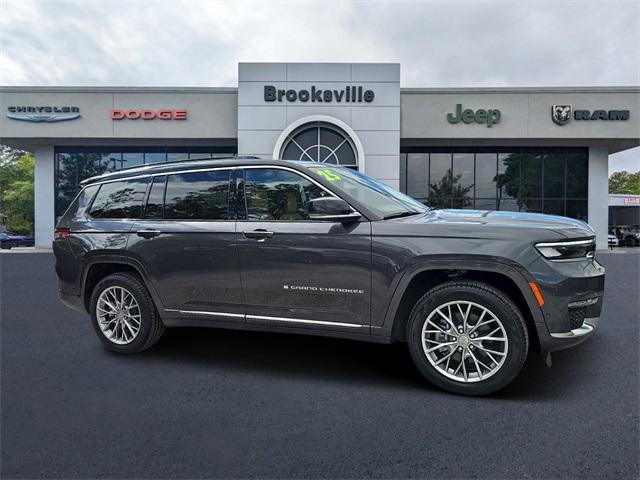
[{"x": 331, "y": 209}]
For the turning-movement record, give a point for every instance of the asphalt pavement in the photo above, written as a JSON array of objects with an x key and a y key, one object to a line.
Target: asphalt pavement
[{"x": 207, "y": 403}]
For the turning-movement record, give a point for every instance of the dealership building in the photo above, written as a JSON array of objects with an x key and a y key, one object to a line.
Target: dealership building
[{"x": 518, "y": 149}]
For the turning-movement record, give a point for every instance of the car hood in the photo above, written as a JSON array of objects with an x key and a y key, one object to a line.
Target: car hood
[{"x": 479, "y": 219}]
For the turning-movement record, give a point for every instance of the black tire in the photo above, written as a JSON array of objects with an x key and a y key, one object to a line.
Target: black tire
[
  {"x": 151, "y": 328},
  {"x": 488, "y": 297},
  {"x": 629, "y": 242}
]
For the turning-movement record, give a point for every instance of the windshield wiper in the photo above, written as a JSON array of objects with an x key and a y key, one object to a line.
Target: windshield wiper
[{"x": 400, "y": 214}]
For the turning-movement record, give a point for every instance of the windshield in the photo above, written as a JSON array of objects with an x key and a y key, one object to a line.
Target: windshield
[{"x": 380, "y": 198}]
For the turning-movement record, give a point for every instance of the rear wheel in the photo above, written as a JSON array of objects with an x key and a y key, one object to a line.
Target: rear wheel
[
  {"x": 467, "y": 337},
  {"x": 123, "y": 314},
  {"x": 629, "y": 242}
]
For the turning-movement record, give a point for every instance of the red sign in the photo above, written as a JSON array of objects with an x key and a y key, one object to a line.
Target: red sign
[
  {"x": 146, "y": 114},
  {"x": 632, "y": 201}
]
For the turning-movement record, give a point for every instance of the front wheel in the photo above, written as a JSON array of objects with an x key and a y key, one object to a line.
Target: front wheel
[
  {"x": 123, "y": 314},
  {"x": 467, "y": 337}
]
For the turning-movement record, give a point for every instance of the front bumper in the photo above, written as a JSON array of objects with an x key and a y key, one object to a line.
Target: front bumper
[{"x": 573, "y": 297}]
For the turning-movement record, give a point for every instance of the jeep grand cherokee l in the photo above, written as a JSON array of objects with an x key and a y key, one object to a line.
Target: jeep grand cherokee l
[{"x": 311, "y": 248}]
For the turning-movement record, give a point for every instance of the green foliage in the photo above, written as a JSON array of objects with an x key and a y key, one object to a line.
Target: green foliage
[
  {"x": 624, "y": 183},
  {"x": 16, "y": 190},
  {"x": 448, "y": 190}
]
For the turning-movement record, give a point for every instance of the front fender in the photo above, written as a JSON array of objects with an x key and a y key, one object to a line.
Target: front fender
[{"x": 476, "y": 263}]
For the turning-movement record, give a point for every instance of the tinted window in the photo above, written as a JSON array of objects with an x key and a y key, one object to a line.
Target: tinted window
[
  {"x": 273, "y": 194},
  {"x": 156, "y": 198},
  {"x": 197, "y": 196},
  {"x": 119, "y": 199}
]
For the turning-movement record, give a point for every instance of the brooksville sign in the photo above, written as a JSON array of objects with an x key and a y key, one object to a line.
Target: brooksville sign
[{"x": 350, "y": 94}]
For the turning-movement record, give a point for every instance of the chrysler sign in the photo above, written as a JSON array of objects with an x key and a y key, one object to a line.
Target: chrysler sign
[
  {"x": 350, "y": 94},
  {"x": 43, "y": 113}
]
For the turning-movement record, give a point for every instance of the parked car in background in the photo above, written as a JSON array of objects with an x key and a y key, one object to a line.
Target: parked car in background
[
  {"x": 628, "y": 236},
  {"x": 7, "y": 243},
  {"x": 613, "y": 240},
  {"x": 21, "y": 240},
  {"x": 9, "y": 240}
]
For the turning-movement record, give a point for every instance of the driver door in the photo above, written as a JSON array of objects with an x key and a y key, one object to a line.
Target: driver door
[{"x": 297, "y": 272}]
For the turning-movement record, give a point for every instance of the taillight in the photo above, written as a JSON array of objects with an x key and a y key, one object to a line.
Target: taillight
[{"x": 61, "y": 233}]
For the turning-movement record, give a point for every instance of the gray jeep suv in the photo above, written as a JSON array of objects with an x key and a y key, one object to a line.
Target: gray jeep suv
[{"x": 311, "y": 248}]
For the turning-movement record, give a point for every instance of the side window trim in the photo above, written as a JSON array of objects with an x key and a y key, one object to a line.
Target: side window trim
[
  {"x": 101, "y": 184},
  {"x": 152, "y": 182},
  {"x": 200, "y": 170},
  {"x": 291, "y": 170}
]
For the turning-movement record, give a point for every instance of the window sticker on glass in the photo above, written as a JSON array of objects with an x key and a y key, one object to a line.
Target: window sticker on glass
[{"x": 329, "y": 175}]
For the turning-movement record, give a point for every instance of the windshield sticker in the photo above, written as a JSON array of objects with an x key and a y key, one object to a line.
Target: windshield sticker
[{"x": 329, "y": 175}]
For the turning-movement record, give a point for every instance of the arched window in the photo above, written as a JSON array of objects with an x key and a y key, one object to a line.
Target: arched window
[{"x": 320, "y": 142}]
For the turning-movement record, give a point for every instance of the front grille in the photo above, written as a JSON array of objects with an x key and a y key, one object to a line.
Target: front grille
[{"x": 576, "y": 317}]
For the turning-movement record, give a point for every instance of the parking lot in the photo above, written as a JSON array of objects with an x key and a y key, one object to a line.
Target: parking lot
[{"x": 210, "y": 403}]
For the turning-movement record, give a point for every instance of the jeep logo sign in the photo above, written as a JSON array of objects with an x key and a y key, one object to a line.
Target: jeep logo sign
[
  {"x": 350, "y": 94},
  {"x": 482, "y": 116}
]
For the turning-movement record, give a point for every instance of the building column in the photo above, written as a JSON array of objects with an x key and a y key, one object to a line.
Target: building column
[
  {"x": 44, "y": 197},
  {"x": 598, "y": 202}
]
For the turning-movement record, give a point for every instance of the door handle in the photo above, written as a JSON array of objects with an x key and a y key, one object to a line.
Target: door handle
[
  {"x": 259, "y": 234},
  {"x": 148, "y": 233}
]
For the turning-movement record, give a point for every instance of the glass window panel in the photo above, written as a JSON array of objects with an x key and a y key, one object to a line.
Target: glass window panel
[
  {"x": 577, "y": 209},
  {"x": 177, "y": 156},
  {"x": 132, "y": 159},
  {"x": 197, "y": 196},
  {"x": 577, "y": 174},
  {"x": 531, "y": 205},
  {"x": 462, "y": 180},
  {"x": 90, "y": 165},
  {"x": 119, "y": 199},
  {"x": 292, "y": 152},
  {"x": 440, "y": 175},
  {"x": 417, "y": 175},
  {"x": 155, "y": 156},
  {"x": 486, "y": 172},
  {"x": 155, "y": 201},
  {"x": 530, "y": 175},
  {"x": 330, "y": 138},
  {"x": 508, "y": 204},
  {"x": 199, "y": 155},
  {"x": 345, "y": 155},
  {"x": 553, "y": 174},
  {"x": 403, "y": 172},
  {"x": 111, "y": 161},
  {"x": 485, "y": 203},
  {"x": 273, "y": 194},
  {"x": 554, "y": 206},
  {"x": 66, "y": 181},
  {"x": 508, "y": 181}
]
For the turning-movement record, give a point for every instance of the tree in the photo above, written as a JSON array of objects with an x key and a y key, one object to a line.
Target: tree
[
  {"x": 16, "y": 189},
  {"x": 625, "y": 183},
  {"x": 448, "y": 190}
]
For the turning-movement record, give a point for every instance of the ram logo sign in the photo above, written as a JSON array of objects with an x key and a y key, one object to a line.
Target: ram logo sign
[{"x": 561, "y": 114}]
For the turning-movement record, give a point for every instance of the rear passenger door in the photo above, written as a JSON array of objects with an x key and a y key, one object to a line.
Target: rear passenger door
[{"x": 186, "y": 243}]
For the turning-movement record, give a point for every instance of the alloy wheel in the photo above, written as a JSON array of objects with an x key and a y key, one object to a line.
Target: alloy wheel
[
  {"x": 464, "y": 341},
  {"x": 119, "y": 316}
]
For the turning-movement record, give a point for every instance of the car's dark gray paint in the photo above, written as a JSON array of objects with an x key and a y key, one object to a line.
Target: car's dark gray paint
[{"x": 247, "y": 269}]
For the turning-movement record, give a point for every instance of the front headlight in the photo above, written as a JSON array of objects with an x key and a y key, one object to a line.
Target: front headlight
[{"x": 571, "y": 250}]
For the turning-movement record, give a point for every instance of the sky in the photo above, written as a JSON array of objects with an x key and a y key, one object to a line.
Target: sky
[{"x": 438, "y": 43}]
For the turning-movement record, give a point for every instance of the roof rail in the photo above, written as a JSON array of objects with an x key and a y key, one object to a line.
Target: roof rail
[
  {"x": 149, "y": 166},
  {"x": 234, "y": 156}
]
